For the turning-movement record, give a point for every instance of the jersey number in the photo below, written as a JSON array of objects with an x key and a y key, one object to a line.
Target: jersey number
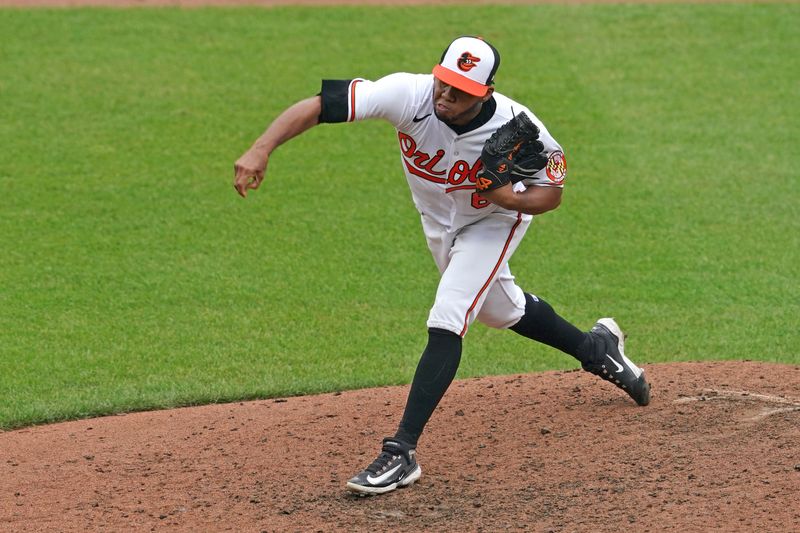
[{"x": 478, "y": 201}]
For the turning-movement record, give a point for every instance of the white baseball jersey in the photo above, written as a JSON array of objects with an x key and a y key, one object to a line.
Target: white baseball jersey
[{"x": 470, "y": 238}]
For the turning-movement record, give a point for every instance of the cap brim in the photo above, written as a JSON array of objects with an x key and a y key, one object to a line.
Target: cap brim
[{"x": 460, "y": 82}]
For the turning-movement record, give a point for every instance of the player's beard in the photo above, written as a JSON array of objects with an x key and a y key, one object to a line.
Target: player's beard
[{"x": 462, "y": 118}]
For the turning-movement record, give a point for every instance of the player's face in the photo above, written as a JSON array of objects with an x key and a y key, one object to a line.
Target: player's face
[{"x": 454, "y": 105}]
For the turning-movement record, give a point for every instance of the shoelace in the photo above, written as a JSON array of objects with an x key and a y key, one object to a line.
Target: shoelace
[{"x": 381, "y": 462}]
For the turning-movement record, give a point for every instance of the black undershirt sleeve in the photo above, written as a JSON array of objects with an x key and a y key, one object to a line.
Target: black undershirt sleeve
[{"x": 334, "y": 95}]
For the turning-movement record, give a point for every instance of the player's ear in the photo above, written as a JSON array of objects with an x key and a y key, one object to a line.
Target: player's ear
[{"x": 488, "y": 94}]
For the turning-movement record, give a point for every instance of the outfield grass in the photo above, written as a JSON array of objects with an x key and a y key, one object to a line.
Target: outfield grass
[{"x": 133, "y": 277}]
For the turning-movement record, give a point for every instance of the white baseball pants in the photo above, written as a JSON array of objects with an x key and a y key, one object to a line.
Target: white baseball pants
[{"x": 476, "y": 281}]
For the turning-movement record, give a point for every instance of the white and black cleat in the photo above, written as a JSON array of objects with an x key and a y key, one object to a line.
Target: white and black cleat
[
  {"x": 395, "y": 467},
  {"x": 611, "y": 364}
]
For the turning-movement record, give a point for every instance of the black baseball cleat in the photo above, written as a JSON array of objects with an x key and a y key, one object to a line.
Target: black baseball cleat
[
  {"x": 395, "y": 467},
  {"x": 611, "y": 364}
]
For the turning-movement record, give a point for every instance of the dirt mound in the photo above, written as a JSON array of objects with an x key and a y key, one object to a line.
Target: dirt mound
[{"x": 717, "y": 449}]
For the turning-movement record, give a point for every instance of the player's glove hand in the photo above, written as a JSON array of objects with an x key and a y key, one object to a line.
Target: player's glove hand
[{"x": 513, "y": 153}]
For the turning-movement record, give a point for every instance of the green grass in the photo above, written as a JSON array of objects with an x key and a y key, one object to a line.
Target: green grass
[{"x": 133, "y": 277}]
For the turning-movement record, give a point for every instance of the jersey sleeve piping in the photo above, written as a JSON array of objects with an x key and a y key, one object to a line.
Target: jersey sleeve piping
[{"x": 352, "y": 91}]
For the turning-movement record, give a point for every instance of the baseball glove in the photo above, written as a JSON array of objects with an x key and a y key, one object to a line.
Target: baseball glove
[{"x": 513, "y": 153}]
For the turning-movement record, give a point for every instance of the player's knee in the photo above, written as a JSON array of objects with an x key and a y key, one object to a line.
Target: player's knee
[
  {"x": 498, "y": 321},
  {"x": 501, "y": 312}
]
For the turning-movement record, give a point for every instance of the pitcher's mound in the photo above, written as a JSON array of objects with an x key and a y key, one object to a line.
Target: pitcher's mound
[{"x": 718, "y": 449}]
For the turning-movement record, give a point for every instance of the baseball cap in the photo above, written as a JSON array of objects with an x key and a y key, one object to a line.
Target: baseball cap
[{"x": 469, "y": 64}]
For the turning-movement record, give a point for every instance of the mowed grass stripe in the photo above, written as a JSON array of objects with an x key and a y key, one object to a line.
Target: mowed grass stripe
[{"x": 133, "y": 277}]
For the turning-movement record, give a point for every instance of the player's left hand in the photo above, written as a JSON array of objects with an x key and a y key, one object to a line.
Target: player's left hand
[
  {"x": 249, "y": 172},
  {"x": 513, "y": 153}
]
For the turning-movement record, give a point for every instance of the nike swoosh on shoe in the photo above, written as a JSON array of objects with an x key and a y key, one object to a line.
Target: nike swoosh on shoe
[
  {"x": 619, "y": 366},
  {"x": 383, "y": 477}
]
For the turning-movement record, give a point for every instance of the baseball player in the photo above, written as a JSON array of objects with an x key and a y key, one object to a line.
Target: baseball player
[{"x": 480, "y": 166}]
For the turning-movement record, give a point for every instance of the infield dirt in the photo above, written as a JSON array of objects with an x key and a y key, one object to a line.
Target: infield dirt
[{"x": 716, "y": 450}]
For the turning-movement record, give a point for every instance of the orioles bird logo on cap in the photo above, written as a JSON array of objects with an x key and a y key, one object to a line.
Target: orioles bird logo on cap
[{"x": 467, "y": 61}]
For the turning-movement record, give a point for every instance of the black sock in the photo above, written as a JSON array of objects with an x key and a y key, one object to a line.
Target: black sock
[
  {"x": 435, "y": 371},
  {"x": 541, "y": 323}
]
